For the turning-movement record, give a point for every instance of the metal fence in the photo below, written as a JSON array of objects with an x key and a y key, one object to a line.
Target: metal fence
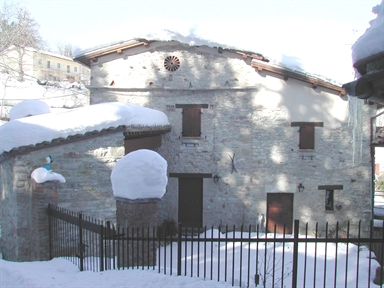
[{"x": 245, "y": 257}]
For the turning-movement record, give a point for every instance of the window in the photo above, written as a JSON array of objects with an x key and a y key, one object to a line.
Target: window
[
  {"x": 40, "y": 61},
  {"x": 48, "y": 64},
  {"x": 68, "y": 69},
  {"x": 328, "y": 200},
  {"x": 191, "y": 126},
  {"x": 58, "y": 65},
  {"x": 75, "y": 69},
  {"x": 329, "y": 193},
  {"x": 307, "y": 133}
]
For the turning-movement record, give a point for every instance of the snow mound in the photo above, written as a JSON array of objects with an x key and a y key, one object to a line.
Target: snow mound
[
  {"x": 41, "y": 175},
  {"x": 141, "y": 174},
  {"x": 28, "y": 108}
]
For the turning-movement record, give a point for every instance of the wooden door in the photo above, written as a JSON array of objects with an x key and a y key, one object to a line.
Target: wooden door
[
  {"x": 280, "y": 212},
  {"x": 191, "y": 202}
]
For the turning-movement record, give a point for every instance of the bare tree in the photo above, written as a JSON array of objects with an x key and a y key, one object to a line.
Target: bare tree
[
  {"x": 18, "y": 30},
  {"x": 65, "y": 49}
]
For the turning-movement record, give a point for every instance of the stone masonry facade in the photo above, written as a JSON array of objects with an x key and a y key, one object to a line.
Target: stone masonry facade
[{"x": 248, "y": 116}]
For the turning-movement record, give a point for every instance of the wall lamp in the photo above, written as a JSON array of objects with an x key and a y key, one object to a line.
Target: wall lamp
[
  {"x": 301, "y": 187},
  {"x": 216, "y": 178}
]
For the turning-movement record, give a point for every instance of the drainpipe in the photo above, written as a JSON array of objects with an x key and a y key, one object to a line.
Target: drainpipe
[{"x": 372, "y": 149}]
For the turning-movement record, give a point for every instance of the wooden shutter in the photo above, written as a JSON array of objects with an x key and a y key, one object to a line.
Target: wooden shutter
[
  {"x": 191, "y": 122},
  {"x": 307, "y": 137}
]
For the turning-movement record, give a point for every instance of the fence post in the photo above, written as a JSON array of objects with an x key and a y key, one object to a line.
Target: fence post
[
  {"x": 101, "y": 247},
  {"x": 295, "y": 253},
  {"x": 81, "y": 243},
  {"x": 50, "y": 231},
  {"x": 178, "y": 251}
]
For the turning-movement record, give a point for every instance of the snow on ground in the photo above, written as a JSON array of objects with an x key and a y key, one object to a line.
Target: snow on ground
[
  {"x": 63, "y": 95},
  {"x": 46, "y": 127},
  {"x": 62, "y": 273},
  {"x": 352, "y": 262},
  {"x": 140, "y": 174}
]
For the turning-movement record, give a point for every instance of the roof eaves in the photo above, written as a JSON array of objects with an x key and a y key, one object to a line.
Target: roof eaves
[
  {"x": 288, "y": 73},
  {"x": 86, "y": 57},
  {"x": 129, "y": 132}
]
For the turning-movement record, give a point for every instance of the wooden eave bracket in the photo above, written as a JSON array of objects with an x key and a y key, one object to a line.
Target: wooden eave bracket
[
  {"x": 258, "y": 69},
  {"x": 243, "y": 55},
  {"x": 94, "y": 59},
  {"x": 119, "y": 51},
  {"x": 146, "y": 44},
  {"x": 314, "y": 85}
]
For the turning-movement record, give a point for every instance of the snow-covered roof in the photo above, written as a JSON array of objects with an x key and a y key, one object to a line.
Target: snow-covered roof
[
  {"x": 368, "y": 61},
  {"x": 44, "y": 52},
  {"x": 372, "y": 41},
  {"x": 86, "y": 56},
  {"x": 34, "y": 130}
]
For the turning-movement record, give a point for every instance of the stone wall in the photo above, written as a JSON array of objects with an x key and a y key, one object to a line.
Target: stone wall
[
  {"x": 86, "y": 166},
  {"x": 9, "y": 210},
  {"x": 24, "y": 235}
]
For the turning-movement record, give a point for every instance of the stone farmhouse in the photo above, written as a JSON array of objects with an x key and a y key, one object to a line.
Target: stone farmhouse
[
  {"x": 251, "y": 142},
  {"x": 45, "y": 65}
]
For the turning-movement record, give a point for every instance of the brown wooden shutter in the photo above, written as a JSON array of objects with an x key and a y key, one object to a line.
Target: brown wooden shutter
[
  {"x": 307, "y": 137},
  {"x": 191, "y": 122}
]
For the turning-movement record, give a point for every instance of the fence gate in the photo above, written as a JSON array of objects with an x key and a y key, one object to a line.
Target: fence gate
[{"x": 97, "y": 245}]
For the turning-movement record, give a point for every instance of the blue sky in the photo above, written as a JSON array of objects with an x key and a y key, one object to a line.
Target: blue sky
[{"x": 303, "y": 29}]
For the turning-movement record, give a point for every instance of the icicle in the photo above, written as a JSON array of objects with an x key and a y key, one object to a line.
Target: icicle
[{"x": 355, "y": 122}]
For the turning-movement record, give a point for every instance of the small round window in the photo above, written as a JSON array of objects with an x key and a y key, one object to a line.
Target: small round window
[{"x": 172, "y": 63}]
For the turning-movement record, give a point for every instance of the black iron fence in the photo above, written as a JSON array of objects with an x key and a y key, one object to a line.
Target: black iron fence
[{"x": 328, "y": 257}]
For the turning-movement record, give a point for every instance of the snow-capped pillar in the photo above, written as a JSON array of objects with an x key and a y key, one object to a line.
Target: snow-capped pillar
[
  {"x": 139, "y": 180},
  {"x": 136, "y": 213},
  {"x": 139, "y": 218}
]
